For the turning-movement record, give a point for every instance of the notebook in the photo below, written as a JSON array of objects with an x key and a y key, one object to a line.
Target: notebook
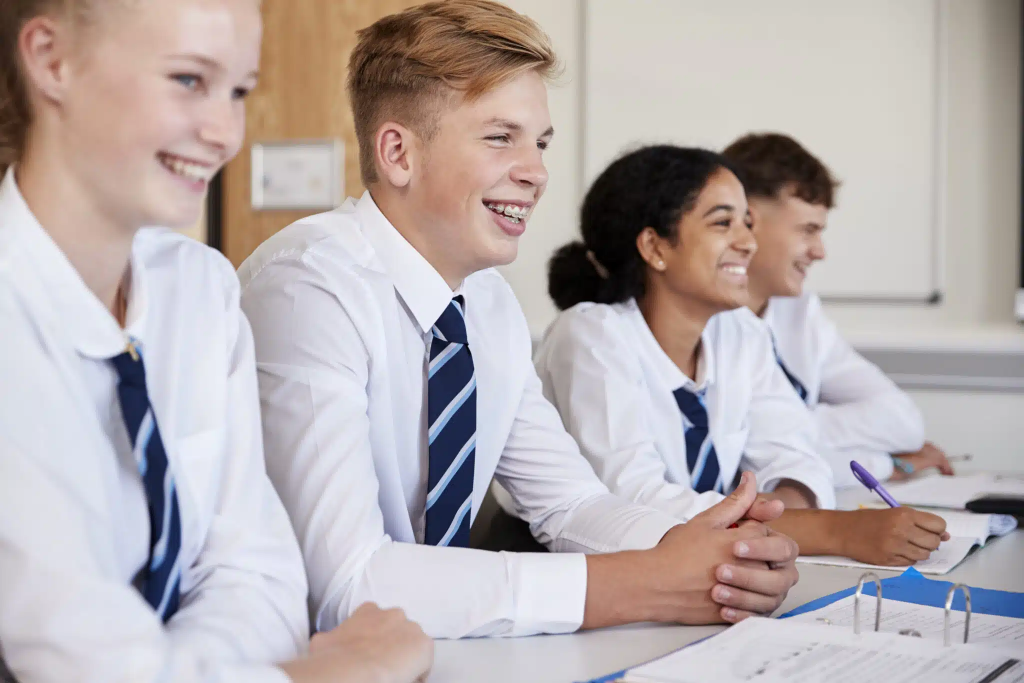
[
  {"x": 966, "y": 529},
  {"x": 954, "y": 492}
]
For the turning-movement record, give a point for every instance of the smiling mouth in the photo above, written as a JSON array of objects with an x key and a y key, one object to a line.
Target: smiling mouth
[
  {"x": 735, "y": 269},
  {"x": 515, "y": 213},
  {"x": 186, "y": 168}
]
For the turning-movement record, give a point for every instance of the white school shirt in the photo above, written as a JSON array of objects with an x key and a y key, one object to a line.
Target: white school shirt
[
  {"x": 342, "y": 308},
  {"x": 612, "y": 384},
  {"x": 74, "y": 525},
  {"x": 861, "y": 414}
]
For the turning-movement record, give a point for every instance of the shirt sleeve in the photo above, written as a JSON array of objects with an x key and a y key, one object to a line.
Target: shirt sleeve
[
  {"x": 64, "y": 614},
  {"x": 879, "y": 464},
  {"x": 782, "y": 442},
  {"x": 247, "y": 589},
  {"x": 859, "y": 408},
  {"x": 313, "y": 369},
  {"x": 598, "y": 392},
  {"x": 557, "y": 492}
]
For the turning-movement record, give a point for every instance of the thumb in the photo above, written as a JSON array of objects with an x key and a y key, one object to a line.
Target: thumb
[{"x": 733, "y": 508}]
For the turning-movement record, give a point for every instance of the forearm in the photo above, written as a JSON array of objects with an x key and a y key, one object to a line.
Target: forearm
[
  {"x": 625, "y": 588},
  {"x": 817, "y": 532}
]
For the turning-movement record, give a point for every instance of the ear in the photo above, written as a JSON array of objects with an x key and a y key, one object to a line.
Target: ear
[
  {"x": 760, "y": 209},
  {"x": 653, "y": 249},
  {"x": 396, "y": 151},
  {"x": 44, "y": 45}
]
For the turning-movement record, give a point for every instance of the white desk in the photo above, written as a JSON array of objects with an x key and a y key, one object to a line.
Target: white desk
[{"x": 584, "y": 656}]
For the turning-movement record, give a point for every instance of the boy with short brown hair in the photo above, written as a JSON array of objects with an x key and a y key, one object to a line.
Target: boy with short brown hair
[
  {"x": 861, "y": 414},
  {"x": 396, "y": 376}
]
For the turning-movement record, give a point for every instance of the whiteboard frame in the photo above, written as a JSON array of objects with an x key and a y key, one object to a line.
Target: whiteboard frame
[{"x": 940, "y": 173}]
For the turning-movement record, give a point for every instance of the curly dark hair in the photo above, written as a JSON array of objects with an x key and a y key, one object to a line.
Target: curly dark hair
[
  {"x": 772, "y": 162},
  {"x": 650, "y": 187}
]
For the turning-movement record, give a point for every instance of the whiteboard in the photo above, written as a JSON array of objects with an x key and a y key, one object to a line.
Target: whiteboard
[{"x": 859, "y": 83}]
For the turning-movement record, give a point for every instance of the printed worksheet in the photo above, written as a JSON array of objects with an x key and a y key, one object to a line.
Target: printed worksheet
[{"x": 772, "y": 651}]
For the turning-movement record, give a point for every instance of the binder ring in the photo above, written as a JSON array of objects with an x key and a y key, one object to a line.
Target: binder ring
[
  {"x": 949, "y": 610},
  {"x": 868, "y": 576}
]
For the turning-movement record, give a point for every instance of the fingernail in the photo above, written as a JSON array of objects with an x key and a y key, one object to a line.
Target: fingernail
[
  {"x": 726, "y": 573},
  {"x": 742, "y": 549},
  {"x": 729, "y": 614},
  {"x": 724, "y": 593}
]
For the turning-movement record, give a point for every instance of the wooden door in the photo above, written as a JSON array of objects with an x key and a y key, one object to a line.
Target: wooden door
[{"x": 301, "y": 94}]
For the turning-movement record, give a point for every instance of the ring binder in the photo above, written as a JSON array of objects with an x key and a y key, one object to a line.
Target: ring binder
[
  {"x": 878, "y": 603},
  {"x": 949, "y": 610}
]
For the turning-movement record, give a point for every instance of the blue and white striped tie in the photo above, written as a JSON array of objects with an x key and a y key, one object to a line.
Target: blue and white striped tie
[
  {"x": 161, "y": 576},
  {"x": 701, "y": 457},
  {"x": 451, "y": 431}
]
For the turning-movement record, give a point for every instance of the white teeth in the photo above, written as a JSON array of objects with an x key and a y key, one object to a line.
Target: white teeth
[
  {"x": 736, "y": 270},
  {"x": 187, "y": 169},
  {"x": 510, "y": 211}
]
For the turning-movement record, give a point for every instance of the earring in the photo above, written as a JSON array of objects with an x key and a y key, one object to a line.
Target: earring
[{"x": 661, "y": 264}]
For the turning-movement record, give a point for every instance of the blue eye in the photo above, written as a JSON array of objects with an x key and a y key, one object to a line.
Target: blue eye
[{"x": 190, "y": 81}]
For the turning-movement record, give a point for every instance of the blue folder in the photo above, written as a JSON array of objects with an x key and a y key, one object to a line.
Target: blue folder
[{"x": 910, "y": 586}]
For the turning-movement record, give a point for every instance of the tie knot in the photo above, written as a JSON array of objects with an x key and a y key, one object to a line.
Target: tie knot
[
  {"x": 130, "y": 369},
  {"x": 451, "y": 326},
  {"x": 692, "y": 407}
]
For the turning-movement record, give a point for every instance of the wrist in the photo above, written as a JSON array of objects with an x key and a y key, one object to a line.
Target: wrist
[
  {"x": 843, "y": 531},
  {"x": 903, "y": 464},
  {"x": 623, "y": 588}
]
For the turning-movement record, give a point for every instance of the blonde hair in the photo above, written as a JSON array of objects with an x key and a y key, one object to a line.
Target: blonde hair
[{"x": 408, "y": 65}]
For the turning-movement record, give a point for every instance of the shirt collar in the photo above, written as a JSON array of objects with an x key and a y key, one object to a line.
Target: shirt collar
[
  {"x": 422, "y": 288},
  {"x": 91, "y": 328},
  {"x": 664, "y": 365}
]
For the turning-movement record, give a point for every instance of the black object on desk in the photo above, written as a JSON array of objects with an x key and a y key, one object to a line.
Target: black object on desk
[{"x": 999, "y": 505}]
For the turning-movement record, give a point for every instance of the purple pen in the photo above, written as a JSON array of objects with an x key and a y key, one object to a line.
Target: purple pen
[{"x": 864, "y": 477}]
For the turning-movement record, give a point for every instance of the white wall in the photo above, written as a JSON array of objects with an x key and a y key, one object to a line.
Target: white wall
[
  {"x": 982, "y": 244},
  {"x": 983, "y": 182}
]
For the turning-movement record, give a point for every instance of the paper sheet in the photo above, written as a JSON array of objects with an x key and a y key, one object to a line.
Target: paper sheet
[
  {"x": 954, "y": 492},
  {"x": 950, "y": 554},
  {"x": 771, "y": 651},
  {"x": 986, "y": 629}
]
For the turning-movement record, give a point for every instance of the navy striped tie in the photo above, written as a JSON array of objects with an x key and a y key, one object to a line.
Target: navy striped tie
[
  {"x": 451, "y": 416},
  {"x": 701, "y": 457},
  {"x": 161, "y": 577},
  {"x": 798, "y": 386}
]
